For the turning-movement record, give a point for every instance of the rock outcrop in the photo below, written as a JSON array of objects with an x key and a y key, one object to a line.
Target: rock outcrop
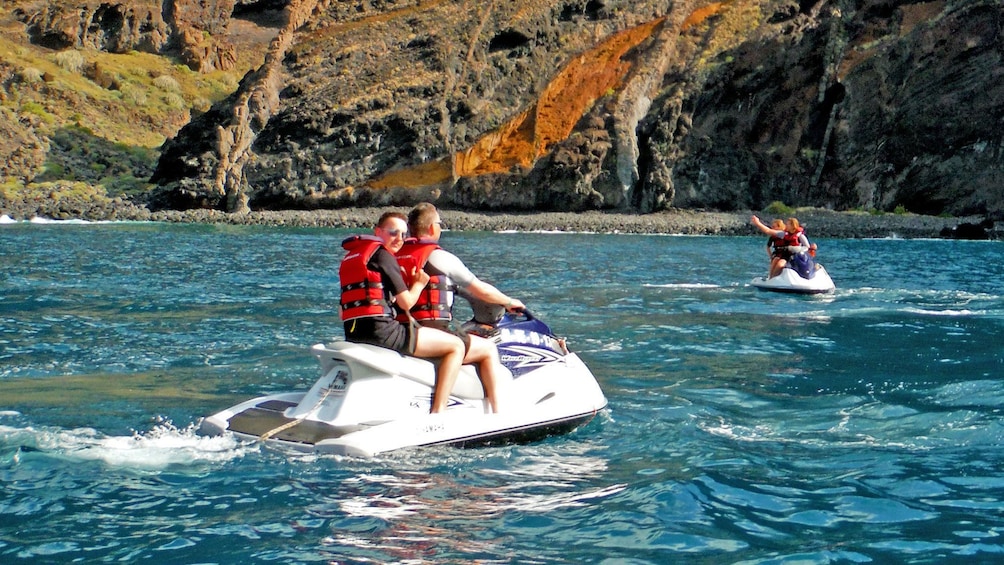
[
  {"x": 576, "y": 105},
  {"x": 194, "y": 29},
  {"x": 553, "y": 105},
  {"x": 872, "y": 105},
  {"x": 20, "y": 148}
]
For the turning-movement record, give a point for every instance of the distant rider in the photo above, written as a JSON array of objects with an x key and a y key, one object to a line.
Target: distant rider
[
  {"x": 775, "y": 245},
  {"x": 788, "y": 242}
]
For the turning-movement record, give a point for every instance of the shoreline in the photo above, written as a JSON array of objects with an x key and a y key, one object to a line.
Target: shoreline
[{"x": 818, "y": 223}]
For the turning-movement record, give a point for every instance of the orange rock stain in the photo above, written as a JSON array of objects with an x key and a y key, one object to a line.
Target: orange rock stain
[
  {"x": 531, "y": 134},
  {"x": 700, "y": 14}
]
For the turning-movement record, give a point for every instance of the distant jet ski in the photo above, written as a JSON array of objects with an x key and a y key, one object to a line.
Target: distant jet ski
[
  {"x": 802, "y": 275},
  {"x": 372, "y": 400}
]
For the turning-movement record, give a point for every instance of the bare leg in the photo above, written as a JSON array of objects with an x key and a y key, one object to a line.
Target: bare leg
[
  {"x": 777, "y": 266},
  {"x": 486, "y": 355},
  {"x": 431, "y": 342}
]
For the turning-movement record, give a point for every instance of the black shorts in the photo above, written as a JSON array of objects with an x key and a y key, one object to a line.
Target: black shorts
[
  {"x": 385, "y": 332},
  {"x": 450, "y": 327}
]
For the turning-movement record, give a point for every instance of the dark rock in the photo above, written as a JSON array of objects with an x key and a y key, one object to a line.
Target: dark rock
[
  {"x": 882, "y": 104},
  {"x": 195, "y": 29},
  {"x": 967, "y": 230},
  {"x": 114, "y": 27},
  {"x": 877, "y": 104}
]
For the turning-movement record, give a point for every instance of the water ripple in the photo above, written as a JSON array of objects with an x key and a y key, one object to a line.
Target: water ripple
[{"x": 743, "y": 426}]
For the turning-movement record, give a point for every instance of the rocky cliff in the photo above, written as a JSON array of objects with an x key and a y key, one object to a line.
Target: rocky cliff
[
  {"x": 191, "y": 28},
  {"x": 583, "y": 104},
  {"x": 872, "y": 104}
]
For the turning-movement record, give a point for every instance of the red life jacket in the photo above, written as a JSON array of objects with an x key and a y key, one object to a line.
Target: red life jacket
[
  {"x": 776, "y": 244},
  {"x": 362, "y": 288},
  {"x": 436, "y": 300},
  {"x": 792, "y": 239}
]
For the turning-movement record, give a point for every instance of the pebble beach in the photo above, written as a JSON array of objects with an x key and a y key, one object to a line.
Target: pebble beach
[{"x": 818, "y": 223}]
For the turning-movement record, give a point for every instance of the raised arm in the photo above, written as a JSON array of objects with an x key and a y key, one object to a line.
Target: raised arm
[{"x": 764, "y": 227}]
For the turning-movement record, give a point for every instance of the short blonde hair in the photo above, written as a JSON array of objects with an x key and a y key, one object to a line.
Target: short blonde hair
[{"x": 420, "y": 218}]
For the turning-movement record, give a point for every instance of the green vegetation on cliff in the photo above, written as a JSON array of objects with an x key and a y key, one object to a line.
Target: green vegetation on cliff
[{"x": 88, "y": 121}]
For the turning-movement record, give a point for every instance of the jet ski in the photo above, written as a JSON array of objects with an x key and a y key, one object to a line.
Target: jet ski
[
  {"x": 372, "y": 400},
  {"x": 789, "y": 280}
]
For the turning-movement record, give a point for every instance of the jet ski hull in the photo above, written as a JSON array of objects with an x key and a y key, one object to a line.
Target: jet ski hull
[
  {"x": 788, "y": 281},
  {"x": 267, "y": 414},
  {"x": 371, "y": 400}
]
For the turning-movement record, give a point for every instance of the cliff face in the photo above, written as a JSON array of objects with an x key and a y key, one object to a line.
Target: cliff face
[
  {"x": 869, "y": 104},
  {"x": 574, "y": 104},
  {"x": 457, "y": 101}
]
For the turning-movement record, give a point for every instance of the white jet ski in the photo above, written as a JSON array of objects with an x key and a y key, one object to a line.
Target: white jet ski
[
  {"x": 788, "y": 280},
  {"x": 372, "y": 400}
]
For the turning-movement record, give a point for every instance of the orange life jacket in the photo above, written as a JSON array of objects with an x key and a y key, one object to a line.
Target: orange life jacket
[
  {"x": 363, "y": 293},
  {"x": 436, "y": 300}
]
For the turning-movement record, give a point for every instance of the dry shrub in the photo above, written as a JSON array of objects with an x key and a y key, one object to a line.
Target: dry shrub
[
  {"x": 133, "y": 94},
  {"x": 167, "y": 83},
  {"x": 70, "y": 60},
  {"x": 30, "y": 75},
  {"x": 174, "y": 101}
]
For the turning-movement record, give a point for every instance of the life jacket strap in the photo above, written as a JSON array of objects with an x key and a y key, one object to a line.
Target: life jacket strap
[
  {"x": 364, "y": 302},
  {"x": 363, "y": 284},
  {"x": 431, "y": 308}
]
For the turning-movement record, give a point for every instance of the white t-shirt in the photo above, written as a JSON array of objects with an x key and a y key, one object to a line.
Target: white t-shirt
[{"x": 451, "y": 266}]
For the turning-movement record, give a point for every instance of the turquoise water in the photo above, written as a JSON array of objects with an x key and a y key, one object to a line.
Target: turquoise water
[{"x": 743, "y": 426}]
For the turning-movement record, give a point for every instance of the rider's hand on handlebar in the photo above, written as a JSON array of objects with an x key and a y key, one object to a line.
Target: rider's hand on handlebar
[{"x": 515, "y": 305}]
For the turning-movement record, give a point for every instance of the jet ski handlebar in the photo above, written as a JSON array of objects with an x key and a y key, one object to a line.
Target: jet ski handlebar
[{"x": 525, "y": 312}]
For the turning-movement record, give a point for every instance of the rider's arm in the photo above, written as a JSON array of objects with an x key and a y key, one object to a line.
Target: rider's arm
[
  {"x": 765, "y": 228},
  {"x": 487, "y": 293},
  {"x": 803, "y": 245},
  {"x": 454, "y": 268},
  {"x": 407, "y": 298}
]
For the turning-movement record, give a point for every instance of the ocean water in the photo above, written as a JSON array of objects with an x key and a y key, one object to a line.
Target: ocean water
[{"x": 864, "y": 426}]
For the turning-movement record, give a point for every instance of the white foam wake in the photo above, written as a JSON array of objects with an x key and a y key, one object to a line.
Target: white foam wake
[{"x": 159, "y": 448}]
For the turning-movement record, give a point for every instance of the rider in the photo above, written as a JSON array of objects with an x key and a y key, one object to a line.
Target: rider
[
  {"x": 434, "y": 308},
  {"x": 374, "y": 292},
  {"x": 790, "y": 240},
  {"x": 775, "y": 244}
]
